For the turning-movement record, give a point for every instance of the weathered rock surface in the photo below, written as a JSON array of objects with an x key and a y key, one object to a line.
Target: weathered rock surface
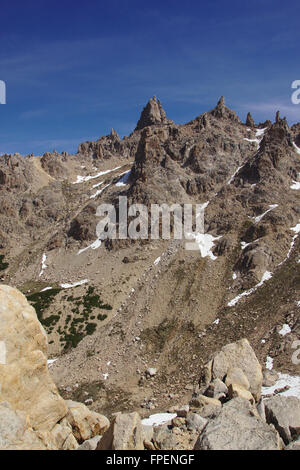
[
  {"x": 284, "y": 413},
  {"x": 237, "y": 428}
]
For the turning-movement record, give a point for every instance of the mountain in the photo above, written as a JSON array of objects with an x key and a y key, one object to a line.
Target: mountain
[{"x": 115, "y": 309}]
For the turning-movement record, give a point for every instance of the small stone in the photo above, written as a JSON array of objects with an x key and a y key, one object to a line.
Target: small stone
[{"x": 183, "y": 411}]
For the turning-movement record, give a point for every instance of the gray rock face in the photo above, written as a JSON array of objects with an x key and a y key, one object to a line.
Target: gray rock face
[
  {"x": 237, "y": 428},
  {"x": 195, "y": 422},
  {"x": 284, "y": 413},
  {"x": 164, "y": 439},
  {"x": 153, "y": 113}
]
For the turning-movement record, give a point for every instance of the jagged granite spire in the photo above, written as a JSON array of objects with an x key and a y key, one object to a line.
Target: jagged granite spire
[
  {"x": 250, "y": 121},
  {"x": 153, "y": 113},
  {"x": 221, "y": 111},
  {"x": 114, "y": 134}
]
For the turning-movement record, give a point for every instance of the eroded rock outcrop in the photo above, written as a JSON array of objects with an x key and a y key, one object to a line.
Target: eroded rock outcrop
[{"x": 152, "y": 114}]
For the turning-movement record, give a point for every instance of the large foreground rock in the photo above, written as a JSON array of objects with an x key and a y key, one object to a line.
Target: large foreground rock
[
  {"x": 237, "y": 428},
  {"x": 24, "y": 378},
  {"x": 235, "y": 356},
  {"x": 124, "y": 433},
  {"x": 284, "y": 413}
]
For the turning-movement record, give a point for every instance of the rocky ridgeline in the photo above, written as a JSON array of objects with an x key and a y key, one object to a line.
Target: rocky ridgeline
[{"x": 225, "y": 411}]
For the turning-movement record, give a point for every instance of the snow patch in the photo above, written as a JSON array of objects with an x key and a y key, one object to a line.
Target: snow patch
[
  {"x": 284, "y": 380},
  {"x": 244, "y": 245},
  {"x": 97, "y": 193},
  {"x": 285, "y": 330},
  {"x": 259, "y": 217},
  {"x": 205, "y": 242},
  {"x": 124, "y": 180},
  {"x": 46, "y": 288},
  {"x": 267, "y": 275},
  {"x": 158, "y": 419},
  {"x": 295, "y": 185},
  {"x": 260, "y": 132},
  {"x": 296, "y": 148},
  {"x": 157, "y": 261},
  {"x": 269, "y": 363},
  {"x": 93, "y": 246},
  {"x": 97, "y": 185},
  {"x": 79, "y": 283},
  {"x": 84, "y": 179},
  {"x": 236, "y": 171},
  {"x": 51, "y": 361},
  {"x": 257, "y": 141},
  {"x": 295, "y": 229},
  {"x": 44, "y": 265}
]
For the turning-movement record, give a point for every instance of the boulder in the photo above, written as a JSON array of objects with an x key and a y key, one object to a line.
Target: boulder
[
  {"x": 195, "y": 422},
  {"x": 217, "y": 389},
  {"x": 237, "y": 428},
  {"x": 124, "y": 433},
  {"x": 284, "y": 413},
  {"x": 236, "y": 376},
  {"x": 85, "y": 423},
  {"x": 182, "y": 411},
  {"x": 62, "y": 436},
  {"x": 235, "y": 390},
  {"x": 199, "y": 401},
  {"x": 164, "y": 439},
  {"x": 270, "y": 377},
  {"x": 235, "y": 355}
]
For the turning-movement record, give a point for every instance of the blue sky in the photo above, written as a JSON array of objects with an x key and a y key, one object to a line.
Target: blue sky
[{"x": 73, "y": 69}]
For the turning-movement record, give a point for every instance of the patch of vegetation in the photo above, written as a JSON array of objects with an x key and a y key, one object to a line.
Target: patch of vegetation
[
  {"x": 52, "y": 320},
  {"x": 41, "y": 301},
  {"x": 78, "y": 325},
  {"x": 3, "y": 265}
]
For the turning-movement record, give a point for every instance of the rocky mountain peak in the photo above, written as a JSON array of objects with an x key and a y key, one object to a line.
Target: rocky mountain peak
[
  {"x": 221, "y": 111},
  {"x": 153, "y": 113}
]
